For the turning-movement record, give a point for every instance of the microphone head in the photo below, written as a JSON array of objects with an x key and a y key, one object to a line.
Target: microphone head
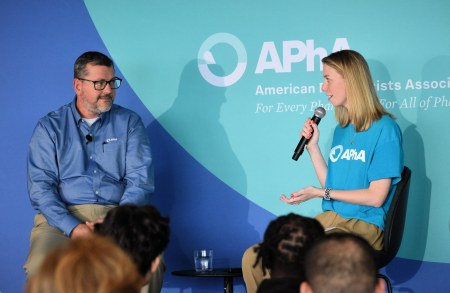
[{"x": 320, "y": 112}]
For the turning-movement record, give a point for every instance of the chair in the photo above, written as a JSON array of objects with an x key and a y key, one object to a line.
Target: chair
[{"x": 395, "y": 222}]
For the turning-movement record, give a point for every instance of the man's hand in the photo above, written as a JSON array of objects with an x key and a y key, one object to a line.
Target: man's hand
[
  {"x": 81, "y": 230},
  {"x": 92, "y": 224}
]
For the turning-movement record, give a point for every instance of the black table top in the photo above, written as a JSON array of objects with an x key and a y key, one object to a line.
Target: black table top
[{"x": 219, "y": 272}]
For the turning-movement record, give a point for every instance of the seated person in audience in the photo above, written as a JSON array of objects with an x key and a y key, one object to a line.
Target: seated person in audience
[
  {"x": 93, "y": 264},
  {"x": 140, "y": 231},
  {"x": 283, "y": 251},
  {"x": 341, "y": 262}
]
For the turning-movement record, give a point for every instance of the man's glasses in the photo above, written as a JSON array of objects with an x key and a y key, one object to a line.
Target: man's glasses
[{"x": 101, "y": 84}]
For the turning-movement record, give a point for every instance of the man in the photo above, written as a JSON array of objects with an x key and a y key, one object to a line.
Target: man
[
  {"x": 341, "y": 262},
  {"x": 84, "y": 159},
  {"x": 141, "y": 232}
]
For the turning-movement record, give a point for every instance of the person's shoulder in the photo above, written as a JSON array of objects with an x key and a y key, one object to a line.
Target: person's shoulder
[
  {"x": 122, "y": 111},
  {"x": 388, "y": 126},
  {"x": 56, "y": 114},
  {"x": 386, "y": 121}
]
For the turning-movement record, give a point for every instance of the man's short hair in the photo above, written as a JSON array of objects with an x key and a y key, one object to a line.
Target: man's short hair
[
  {"x": 92, "y": 57},
  {"x": 139, "y": 230},
  {"x": 341, "y": 262}
]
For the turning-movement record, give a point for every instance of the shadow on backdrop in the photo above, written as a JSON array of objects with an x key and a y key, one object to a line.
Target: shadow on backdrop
[
  {"x": 205, "y": 212},
  {"x": 418, "y": 210}
]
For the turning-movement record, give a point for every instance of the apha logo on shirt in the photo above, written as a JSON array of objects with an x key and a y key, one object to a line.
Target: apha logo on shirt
[{"x": 338, "y": 153}]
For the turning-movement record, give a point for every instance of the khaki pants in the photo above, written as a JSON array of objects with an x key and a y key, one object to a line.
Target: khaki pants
[
  {"x": 44, "y": 238},
  {"x": 335, "y": 223},
  {"x": 253, "y": 276},
  {"x": 156, "y": 281}
]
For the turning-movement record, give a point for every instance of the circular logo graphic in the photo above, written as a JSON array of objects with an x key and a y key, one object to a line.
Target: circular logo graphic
[
  {"x": 206, "y": 58},
  {"x": 335, "y": 153}
]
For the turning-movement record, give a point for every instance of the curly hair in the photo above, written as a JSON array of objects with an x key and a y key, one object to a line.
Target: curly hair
[
  {"x": 285, "y": 243},
  {"x": 140, "y": 231}
]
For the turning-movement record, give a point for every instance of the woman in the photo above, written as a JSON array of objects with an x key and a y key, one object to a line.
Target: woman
[{"x": 365, "y": 161}]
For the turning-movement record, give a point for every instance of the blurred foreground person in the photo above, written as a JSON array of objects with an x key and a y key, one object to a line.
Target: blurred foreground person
[
  {"x": 92, "y": 264},
  {"x": 141, "y": 232}
]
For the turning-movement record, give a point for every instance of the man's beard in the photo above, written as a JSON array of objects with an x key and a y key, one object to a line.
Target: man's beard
[{"x": 103, "y": 106}]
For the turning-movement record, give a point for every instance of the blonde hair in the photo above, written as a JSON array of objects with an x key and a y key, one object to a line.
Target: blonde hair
[
  {"x": 364, "y": 106},
  {"x": 87, "y": 265}
]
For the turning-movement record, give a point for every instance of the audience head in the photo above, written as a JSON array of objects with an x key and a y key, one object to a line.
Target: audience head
[
  {"x": 286, "y": 240},
  {"x": 86, "y": 265},
  {"x": 140, "y": 231},
  {"x": 341, "y": 262}
]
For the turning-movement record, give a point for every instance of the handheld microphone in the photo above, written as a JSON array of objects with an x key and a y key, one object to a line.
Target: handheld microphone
[
  {"x": 89, "y": 138},
  {"x": 319, "y": 113}
]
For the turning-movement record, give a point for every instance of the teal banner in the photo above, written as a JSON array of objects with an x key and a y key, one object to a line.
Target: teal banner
[{"x": 233, "y": 82}]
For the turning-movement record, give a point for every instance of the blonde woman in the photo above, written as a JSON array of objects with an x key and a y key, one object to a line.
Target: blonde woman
[{"x": 365, "y": 162}]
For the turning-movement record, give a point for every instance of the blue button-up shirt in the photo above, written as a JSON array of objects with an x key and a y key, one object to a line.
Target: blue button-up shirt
[{"x": 72, "y": 163}]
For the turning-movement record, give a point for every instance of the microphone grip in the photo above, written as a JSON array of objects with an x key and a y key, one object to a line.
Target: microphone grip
[
  {"x": 300, "y": 148},
  {"x": 303, "y": 141}
]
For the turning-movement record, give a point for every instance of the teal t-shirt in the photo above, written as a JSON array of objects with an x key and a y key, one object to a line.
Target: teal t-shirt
[{"x": 357, "y": 158}]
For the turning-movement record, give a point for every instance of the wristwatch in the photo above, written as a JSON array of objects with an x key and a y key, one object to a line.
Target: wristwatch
[{"x": 326, "y": 195}]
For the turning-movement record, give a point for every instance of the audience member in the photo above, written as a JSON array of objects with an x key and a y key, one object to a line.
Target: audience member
[
  {"x": 282, "y": 252},
  {"x": 341, "y": 262},
  {"x": 92, "y": 264},
  {"x": 140, "y": 231}
]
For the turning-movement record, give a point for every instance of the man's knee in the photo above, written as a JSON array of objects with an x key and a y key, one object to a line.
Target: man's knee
[{"x": 43, "y": 239}]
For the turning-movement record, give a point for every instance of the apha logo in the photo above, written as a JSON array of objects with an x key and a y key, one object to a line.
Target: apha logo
[
  {"x": 271, "y": 58},
  {"x": 338, "y": 152},
  {"x": 205, "y": 58}
]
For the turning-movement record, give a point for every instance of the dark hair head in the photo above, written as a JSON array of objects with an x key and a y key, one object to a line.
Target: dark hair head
[
  {"x": 139, "y": 230},
  {"x": 91, "y": 57},
  {"x": 285, "y": 243},
  {"x": 341, "y": 262}
]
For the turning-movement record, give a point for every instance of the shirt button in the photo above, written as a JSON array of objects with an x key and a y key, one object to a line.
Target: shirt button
[
  {"x": 97, "y": 192},
  {"x": 95, "y": 171},
  {"x": 90, "y": 157}
]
